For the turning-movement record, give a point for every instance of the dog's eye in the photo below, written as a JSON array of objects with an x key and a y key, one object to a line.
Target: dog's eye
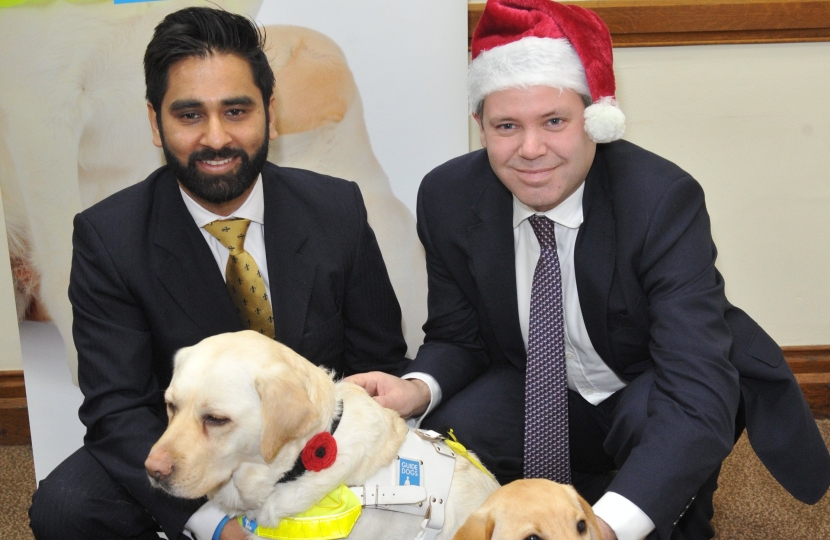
[
  {"x": 215, "y": 420},
  {"x": 534, "y": 537},
  {"x": 581, "y": 526}
]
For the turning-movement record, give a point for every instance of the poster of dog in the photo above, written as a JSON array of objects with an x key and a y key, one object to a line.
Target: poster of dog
[{"x": 74, "y": 130}]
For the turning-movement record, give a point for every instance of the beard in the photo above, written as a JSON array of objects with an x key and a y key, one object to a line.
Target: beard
[{"x": 217, "y": 188}]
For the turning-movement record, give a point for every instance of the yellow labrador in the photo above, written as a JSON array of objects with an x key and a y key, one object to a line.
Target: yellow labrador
[
  {"x": 532, "y": 509},
  {"x": 242, "y": 408}
]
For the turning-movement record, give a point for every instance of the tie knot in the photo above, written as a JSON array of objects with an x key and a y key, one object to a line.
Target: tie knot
[
  {"x": 230, "y": 232},
  {"x": 544, "y": 230}
]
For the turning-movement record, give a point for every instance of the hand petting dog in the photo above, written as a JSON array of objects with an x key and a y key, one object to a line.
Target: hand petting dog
[{"x": 409, "y": 397}]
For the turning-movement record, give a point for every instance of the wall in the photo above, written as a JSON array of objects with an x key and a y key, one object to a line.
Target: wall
[{"x": 9, "y": 337}]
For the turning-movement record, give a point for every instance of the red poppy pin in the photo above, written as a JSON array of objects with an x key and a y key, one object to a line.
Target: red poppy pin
[{"x": 320, "y": 452}]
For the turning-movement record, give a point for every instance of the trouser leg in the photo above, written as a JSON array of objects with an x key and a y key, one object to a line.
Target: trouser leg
[
  {"x": 628, "y": 421},
  {"x": 592, "y": 467},
  {"x": 488, "y": 418},
  {"x": 80, "y": 501}
]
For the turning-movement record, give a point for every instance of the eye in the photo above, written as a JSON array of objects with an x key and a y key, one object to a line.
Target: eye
[
  {"x": 581, "y": 526},
  {"x": 235, "y": 112},
  {"x": 506, "y": 126},
  {"x": 534, "y": 537},
  {"x": 555, "y": 122},
  {"x": 215, "y": 421}
]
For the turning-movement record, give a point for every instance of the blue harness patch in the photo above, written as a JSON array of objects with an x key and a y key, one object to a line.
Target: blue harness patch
[{"x": 410, "y": 472}]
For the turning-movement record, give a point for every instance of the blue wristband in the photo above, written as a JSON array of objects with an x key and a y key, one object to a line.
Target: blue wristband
[{"x": 219, "y": 527}]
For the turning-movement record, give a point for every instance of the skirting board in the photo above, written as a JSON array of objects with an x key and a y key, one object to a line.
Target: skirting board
[
  {"x": 14, "y": 416},
  {"x": 811, "y": 366}
]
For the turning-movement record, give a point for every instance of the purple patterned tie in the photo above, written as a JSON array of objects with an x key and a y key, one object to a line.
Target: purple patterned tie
[{"x": 547, "y": 452}]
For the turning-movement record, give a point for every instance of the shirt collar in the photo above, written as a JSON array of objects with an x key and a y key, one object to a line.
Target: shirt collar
[
  {"x": 568, "y": 213},
  {"x": 253, "y": 208}
]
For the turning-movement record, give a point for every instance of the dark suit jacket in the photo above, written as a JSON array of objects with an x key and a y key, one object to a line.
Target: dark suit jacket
[
  {"x": 651, "y": 299},
  {"x": 145, "y": 284}
]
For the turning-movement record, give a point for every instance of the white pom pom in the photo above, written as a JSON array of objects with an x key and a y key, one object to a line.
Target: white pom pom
[{"x": 604, "y": 121}]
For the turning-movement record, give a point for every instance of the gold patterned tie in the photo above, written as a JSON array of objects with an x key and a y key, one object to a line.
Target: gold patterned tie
[{"x": 242, "y": 276}]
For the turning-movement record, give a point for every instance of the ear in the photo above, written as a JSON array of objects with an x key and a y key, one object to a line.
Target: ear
[
  {"x": 479, "y": 526},
  {"x": 590, "y": 518},
  {"x": 154, "y": 125},
  {"x": 286, "y": 410},
  {"x": 272, "y": 115}
]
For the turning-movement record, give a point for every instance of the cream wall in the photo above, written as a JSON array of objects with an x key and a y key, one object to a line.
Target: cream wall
[
  {"x": 752, "y": 124},
  {"x": 10, "y": 359}
]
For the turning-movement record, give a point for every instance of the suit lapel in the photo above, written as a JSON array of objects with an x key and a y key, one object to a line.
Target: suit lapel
[
  {"x": 493, "y": 257},
  {"x": 594, "y": 255},
  {"x": 186, "y": 266},
  {"x": 291, "y": 275}
]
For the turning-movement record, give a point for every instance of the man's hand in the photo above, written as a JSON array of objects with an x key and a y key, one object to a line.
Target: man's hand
[
  {"x": 233, "y": 531},
  {"x": 605, "y": 531},
  {"x": 408, "y": 397}
]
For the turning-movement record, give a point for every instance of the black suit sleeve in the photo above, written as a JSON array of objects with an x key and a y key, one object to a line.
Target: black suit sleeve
[
  {"x": 692, "y": 405},
  {"x": 123, "y": 403},
  {"x": 453, "y": 351},
  {"x": 371, "y": 313}
]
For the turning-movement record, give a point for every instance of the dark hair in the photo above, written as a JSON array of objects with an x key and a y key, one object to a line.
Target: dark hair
[{"x": 200, "y": 31}]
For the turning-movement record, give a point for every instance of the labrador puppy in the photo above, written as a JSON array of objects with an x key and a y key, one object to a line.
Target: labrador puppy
[
  {"x": 532, "y": 510},
  {"x": 242, "y": 408}
]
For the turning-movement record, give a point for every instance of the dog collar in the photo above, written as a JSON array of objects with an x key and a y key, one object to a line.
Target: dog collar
[
  {"x": 333, "y": 517},
  {"x": 319, "y": 452}
]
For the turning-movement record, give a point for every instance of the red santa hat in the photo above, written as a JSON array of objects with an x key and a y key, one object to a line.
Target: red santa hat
[{"x": 522, "y": 43}]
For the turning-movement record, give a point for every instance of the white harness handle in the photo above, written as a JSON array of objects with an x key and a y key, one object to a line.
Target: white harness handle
[{"x": 423, "y": 452}]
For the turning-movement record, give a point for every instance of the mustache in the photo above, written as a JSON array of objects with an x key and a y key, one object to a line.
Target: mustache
[{"x": 207, "y": 154}]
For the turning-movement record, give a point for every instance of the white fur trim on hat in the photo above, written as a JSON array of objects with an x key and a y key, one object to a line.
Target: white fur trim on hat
[
  {"x": 531, "y": 61},
  {"x": 604, "y": 121}
]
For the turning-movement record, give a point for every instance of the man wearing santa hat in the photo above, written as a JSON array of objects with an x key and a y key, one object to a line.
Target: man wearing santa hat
[{"x": 578, "y": 328}]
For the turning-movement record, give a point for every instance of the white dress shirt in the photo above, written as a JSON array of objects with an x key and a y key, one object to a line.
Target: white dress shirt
[
  {"x": 586, "y": 372},
  {"x": 204, "y": 521}
]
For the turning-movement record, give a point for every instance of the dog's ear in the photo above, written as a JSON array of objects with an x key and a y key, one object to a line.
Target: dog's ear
[
  {"x": 286, "y": 410},
  {"x": 590, "y": 518},
  {"x": 315, "y": 86},
  {"x": 479, "y": 526}
]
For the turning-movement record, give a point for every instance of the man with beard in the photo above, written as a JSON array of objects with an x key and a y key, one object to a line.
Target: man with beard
[{"x": 218, "y": 240}]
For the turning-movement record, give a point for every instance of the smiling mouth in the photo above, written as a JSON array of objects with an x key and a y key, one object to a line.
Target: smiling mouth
[
  {"x": 533, "y": 173},
  {"x": 216, "y": 163}
]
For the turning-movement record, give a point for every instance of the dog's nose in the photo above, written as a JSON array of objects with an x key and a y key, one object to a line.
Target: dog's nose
[{"x": 159, "y": 465}]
